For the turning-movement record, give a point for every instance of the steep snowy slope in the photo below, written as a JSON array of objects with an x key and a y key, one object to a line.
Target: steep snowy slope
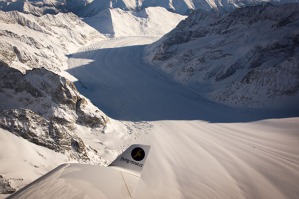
[
  {"x": 247, "y": 58},
  {"x": 33, "y": 42},
  {"x": 155, "y": 21},
  {"x": 23, "y": 161}
]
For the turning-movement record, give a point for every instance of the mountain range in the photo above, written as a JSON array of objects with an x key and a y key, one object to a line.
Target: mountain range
[
  {"x": 231, "y": 52},
  {"x": 86, "y": 8}
]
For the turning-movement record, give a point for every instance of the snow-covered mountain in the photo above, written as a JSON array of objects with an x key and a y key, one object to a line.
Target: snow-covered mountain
[
  {"x": 247, "y": 58},
  {"x": 37, "y": 8},
  {"x": 28, "y": 41},
  {"x": 178, "y": 6},
  {"x": 49, "y": 95},
  {"x": 153, "y": 21},
  {"x": 86, "y": 8},
  {"x": 45, "y": 121}
]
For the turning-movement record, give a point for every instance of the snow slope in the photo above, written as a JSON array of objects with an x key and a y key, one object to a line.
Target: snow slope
[
  {"x": 198, "y": 149},
  {"x": 149, "y": 22},
  {"x": 22, "y": 161},
  {"x": 195, "y": 159}
]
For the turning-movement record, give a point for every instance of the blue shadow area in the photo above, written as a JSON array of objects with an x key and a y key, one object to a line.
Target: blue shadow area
[{"x": 123, "y": 86}]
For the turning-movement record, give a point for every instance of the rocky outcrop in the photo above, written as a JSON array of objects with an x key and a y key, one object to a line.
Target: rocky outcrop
[
  {"x": 51, "y": 134},
  {"x": 43, "y": 108},
  {"x": 47, "y": 94},
  {"x": 5, "y": 187}
]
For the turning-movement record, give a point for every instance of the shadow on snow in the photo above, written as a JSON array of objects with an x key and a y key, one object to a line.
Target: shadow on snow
[{"x": 123, "y": 86}]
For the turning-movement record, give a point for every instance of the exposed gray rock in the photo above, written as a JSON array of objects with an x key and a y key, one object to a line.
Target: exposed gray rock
[
  {"x": 5, "y": 187},
  {"x": 43, "y": 107},
  {"x": 38, "y": 130},
  {"x": 47, "y": 94}
]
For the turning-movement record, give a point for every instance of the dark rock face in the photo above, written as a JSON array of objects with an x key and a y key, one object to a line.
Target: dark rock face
[
  {"x": 5, "y": 187},
  {"x": 10, "y": 79},
  {"x": 49, "y": 134}
]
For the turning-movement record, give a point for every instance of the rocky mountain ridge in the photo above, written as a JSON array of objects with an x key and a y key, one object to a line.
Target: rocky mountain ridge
[
  {"x": 31, "y": 42},
  {"x": 248, "y": 58},
  {"x": 44, "y": 108}
]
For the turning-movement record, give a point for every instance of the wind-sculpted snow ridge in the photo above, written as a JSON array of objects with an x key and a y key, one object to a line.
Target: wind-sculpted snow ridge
[
  {"x": 248, "y": 58},
  {"x": 28, "y": 41}
]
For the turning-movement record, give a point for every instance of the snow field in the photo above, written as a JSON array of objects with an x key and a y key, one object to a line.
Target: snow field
[{"x": 199, "y": 149}]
